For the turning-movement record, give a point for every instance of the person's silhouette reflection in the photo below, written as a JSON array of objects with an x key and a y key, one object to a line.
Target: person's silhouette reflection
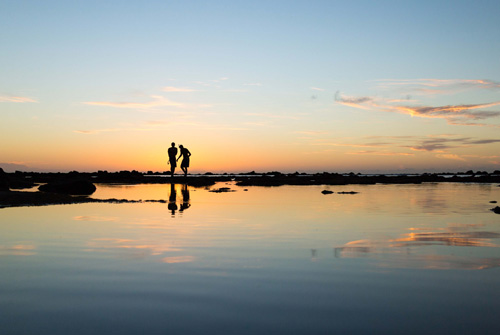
[
  {"x": 185, "y": 198},
  {"x": 172, "y": 199}
]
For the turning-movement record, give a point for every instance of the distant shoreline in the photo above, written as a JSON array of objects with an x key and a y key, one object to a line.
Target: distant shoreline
[{"x": 12, "y": 184}]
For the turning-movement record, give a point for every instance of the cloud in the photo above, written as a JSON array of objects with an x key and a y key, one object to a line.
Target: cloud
[
  {"x": 438, "y": 86},
  {"x": 451, "y": 156},
  {"x": 177, "y": 89},
  {"x": 465, "y": 114},
  {"x": 157, "y": 101},
  {"x": 380, "y": 153},
  {"x": 317, "y": 89},
  {"x": 16, "y": 99}
]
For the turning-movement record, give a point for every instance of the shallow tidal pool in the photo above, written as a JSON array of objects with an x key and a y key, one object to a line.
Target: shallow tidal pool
[{"x": 390, "y": 259}]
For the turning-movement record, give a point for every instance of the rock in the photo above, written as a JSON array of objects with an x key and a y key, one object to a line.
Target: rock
[
  {"x": 73, "y": 187},
  {"x": 326, "y": 192},
  {"x": 351, "y": 192},
  {"x": 221, "y": 190},
  {"x": 4, "y": 185},
  {"x": 493, "y": 202},
  {"x": 496, "y": 210}
]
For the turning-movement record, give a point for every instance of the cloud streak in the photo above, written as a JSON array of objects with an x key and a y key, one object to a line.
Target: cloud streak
[
  {"x": 157, "y": 101},
  {"x": 16, "y": 99},
  {"x": 466, "y": 114}
]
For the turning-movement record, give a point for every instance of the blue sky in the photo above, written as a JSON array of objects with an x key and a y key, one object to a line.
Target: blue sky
[{"x": 276, "y": 79}]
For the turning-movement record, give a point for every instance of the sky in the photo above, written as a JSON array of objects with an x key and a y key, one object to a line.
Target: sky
[{"x": 308, "y": 86}]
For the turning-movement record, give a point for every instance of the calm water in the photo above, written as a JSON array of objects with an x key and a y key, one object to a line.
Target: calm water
[{"x": 393, "y": 259}]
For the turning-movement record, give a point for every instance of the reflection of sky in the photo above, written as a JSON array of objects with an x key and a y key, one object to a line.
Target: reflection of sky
[{"x": 261, "y": 258}]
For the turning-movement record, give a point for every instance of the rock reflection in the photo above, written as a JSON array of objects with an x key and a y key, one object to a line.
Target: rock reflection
[{"x": 407, "y": 250}]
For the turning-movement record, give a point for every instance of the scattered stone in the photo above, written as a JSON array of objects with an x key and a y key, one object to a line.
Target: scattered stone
[
  {"x": 351, "y": 192},
  {"x": 326, "y": 192},
  {"x": 496, "y": 210},
  {"x": 222, "y": 190},
  {"x": 73, "y": 187},
  {"x": 493, "y": 202}
]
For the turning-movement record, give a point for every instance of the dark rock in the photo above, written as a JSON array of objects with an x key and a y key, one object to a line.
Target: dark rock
[
  {"x": 73, "y": 187},
  {"x": 221, "y": 190},
  {"x": 4, "y": 185},
  {"x": 351, "y": 192},
  {"x": 496, "y": 210},
  {"x": 326, "y": 192},
  {"x": 493, "y": 202}
]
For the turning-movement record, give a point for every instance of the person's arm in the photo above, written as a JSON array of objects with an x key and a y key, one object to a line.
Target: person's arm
[
  {"x": 182, "y": 152},
  {"x": 188, "y": 152}
]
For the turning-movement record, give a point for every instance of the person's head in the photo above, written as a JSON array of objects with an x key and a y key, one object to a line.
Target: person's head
[
  {"x": 180, "y": 146},
  {"x": 173, "y": 144}
]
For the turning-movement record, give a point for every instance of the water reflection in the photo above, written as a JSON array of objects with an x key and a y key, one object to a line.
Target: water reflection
[
  {"x": 18, "y": 250},
  {"x": 172, "y": 199},
  {"x": 185, "y": 198},
  {"x": 137, "y": 249},
  {"x": 407, "y": 250}
]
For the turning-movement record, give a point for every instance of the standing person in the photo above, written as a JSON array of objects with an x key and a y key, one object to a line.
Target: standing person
[
  {"x": 185, "y": 160},
  {"x": 172, "y": 152}
]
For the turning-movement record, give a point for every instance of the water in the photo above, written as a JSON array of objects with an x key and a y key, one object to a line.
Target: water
[{"x": 391, "y": 259}]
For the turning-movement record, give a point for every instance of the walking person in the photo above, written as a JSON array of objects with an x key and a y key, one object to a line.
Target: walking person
[
  {"x": 185, "y": 154},
  {"x": 172, "y": 152}
]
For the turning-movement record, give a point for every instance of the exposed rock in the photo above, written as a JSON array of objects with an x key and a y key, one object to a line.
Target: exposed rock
[
  {"x": 74, "y": 187},
  {"x": 221, "y": 190},
  {"x": 4, "y": 185},
  {"x": 496, "y": 210},
  {"x": 326, "y": 192},
  {"x": 493, "y": 202},
  {"x": 351, "y": 192}
]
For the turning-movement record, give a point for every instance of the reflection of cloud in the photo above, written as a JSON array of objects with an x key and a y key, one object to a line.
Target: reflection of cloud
[
  {"x": 407, "y": 251},
  {"x": 16, "y": 99},
  {"x": 129, "y": 248},
  {"x": 18, "y": 250},
  {"x": 95, "y": 218},
  {"x": 177, "y": 259}
]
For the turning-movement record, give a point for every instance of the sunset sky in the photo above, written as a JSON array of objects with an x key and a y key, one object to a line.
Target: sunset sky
[{"x": 309, "y": 86}]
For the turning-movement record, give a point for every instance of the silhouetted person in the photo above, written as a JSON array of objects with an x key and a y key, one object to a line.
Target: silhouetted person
[
  {"x": 185, "y": 154},
  {"x": 185, "y": 198},
  {"x": 172, "y": 152},
  {"x": 172, "y": 199}
]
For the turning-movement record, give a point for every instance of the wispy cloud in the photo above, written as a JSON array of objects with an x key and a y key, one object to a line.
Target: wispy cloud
[
  {"x": 466, "y": 114},
  {"x": 317, "y": 89},
  {"x": 454, "y": 114},
  {"x": 157, "y": 101},
  {"x": 380, "y": 153},
  {"x": 438, "y": 86},
  {"x": 16, "y": 99},
  {"x": 451, "y": 156},
  {"x": 177, "y": 89}
]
